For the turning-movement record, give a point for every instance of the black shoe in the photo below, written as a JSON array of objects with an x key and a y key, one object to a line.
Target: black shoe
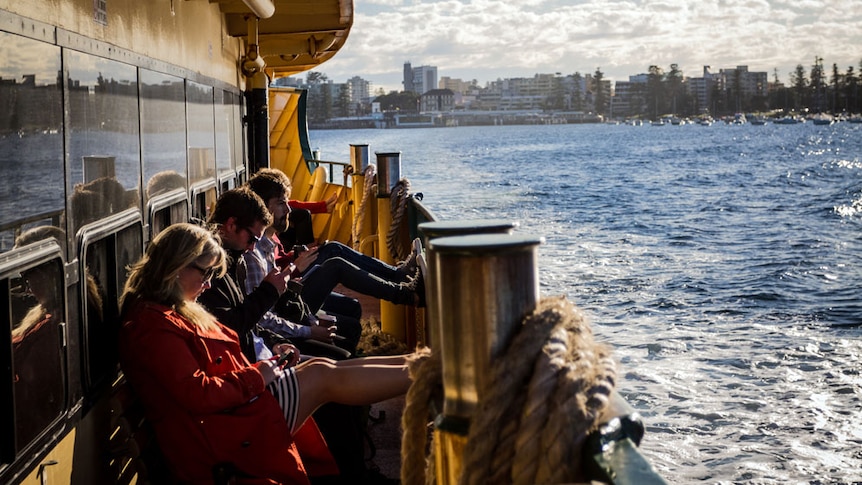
[
  {"x": 419, "y": 281},
  {"x": 408, "y": 266}
]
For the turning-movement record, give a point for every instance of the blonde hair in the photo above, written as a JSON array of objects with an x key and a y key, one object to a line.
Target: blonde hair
[{"x": 154, "y": 276}]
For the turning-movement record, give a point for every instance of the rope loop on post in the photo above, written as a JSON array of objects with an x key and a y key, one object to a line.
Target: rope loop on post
[
  {"x": 396, "y": 239},
  {"x": 356, "y": 232},
  {"x": 546, "y": 394}
]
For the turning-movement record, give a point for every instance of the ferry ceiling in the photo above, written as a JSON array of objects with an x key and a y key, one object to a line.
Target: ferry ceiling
[{"x": 292, "y": 36}]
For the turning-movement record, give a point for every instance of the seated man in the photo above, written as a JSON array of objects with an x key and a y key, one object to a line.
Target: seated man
[
  {"x": 300, "y": 230},
  {"x": 239, "y": 219},
  {"x": 317, "y": 283}
]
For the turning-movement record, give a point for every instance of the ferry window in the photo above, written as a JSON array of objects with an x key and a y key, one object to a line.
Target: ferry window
[
  {"x": 201, "y": 142},
  {"x": 203, "y": 202},
  {"x": 106, "y": 263},
  {"x": 167, "y": 200},
  {"x": 31, "y": 138},
  {"x": 104, "y": 152},
  {"x": 36, "y": 302},
  {"x": 223, "y": 132},
  {"x": 163, "y": 126}
]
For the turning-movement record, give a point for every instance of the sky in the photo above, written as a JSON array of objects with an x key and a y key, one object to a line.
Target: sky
[{"x": 488, "y": 40}]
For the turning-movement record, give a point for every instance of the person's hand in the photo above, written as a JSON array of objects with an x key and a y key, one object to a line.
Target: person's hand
[
  {"x": 306, "y": 259},
  {"x": 330, "y": 202},
  {"x": 323, "y": 334},
  {"x": 285, "y": 348},
  {"x": 270, "y": 370},
  {"x": 278, "y": 279}
]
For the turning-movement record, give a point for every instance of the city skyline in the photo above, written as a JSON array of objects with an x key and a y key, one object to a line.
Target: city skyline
[{"x": 491, "y": 39}]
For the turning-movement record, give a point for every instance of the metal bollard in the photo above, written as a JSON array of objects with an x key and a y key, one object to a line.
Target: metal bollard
[
  {"x": 486, "y": 284},
  {"x": 388, "y": 172},
  {"x": 358, "y": 157},
  {"x": 437, "y": 229}
]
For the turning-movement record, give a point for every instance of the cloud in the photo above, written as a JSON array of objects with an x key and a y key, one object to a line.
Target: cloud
[{"x": 488, "y": 39}]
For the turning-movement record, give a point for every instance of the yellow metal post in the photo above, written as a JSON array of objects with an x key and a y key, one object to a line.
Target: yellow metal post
[{"x": 368, "y": 214}]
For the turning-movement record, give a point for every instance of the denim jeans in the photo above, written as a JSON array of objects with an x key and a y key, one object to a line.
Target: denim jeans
[
  {"x": 319, "y": 281},
  {"x": 368, "y": 264}
]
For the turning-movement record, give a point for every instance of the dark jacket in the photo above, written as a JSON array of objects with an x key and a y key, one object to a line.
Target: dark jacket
[{"x": 226, "y": 301}]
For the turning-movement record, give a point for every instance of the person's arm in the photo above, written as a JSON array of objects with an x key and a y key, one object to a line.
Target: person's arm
[{"x": 317, "y": 207}]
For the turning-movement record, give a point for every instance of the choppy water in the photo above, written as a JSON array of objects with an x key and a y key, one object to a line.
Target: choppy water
[{"x": 723, "y": 263}]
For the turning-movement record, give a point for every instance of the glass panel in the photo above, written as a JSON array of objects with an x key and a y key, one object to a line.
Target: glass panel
[
  {"x": 103, "y": 137},
  {"x": 37, "y": 354},
  {"x": 237, "y": 131},
  {"x": 107, "y": 263},
  {"x": 201, "y": 132},
  {"x": 31, "y": 139},
  {"x": 163, "y": 121},
  {"x": 224, "y": 132},
  {"x": 204, "y": 203}
]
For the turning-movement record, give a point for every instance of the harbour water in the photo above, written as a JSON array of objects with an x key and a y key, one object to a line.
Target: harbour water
[{"x": 723, "y": 263}]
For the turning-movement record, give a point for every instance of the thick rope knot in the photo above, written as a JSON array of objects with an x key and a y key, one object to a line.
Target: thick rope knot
[
  {"x": 397, "y": 239},
  {"x": 359, "y": 218},
  {"x": 546, "y": 393},
  {"x": 426, "y": 371}
]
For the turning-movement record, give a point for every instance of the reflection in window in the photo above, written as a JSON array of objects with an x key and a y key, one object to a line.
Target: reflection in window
[
  {"x": 106, "y": 262},
  {"x": 37, "y": 354},
  {"x": 201, "y": 132},
  {"x": 31, "y": 138},
  {"x": 103, "y": 142},
  {"x": 228, "y": 131},
  {"x": 163, "y": 124}
]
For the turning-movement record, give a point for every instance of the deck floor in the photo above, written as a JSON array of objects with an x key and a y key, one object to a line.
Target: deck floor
[{"x": 385, "y": 433}]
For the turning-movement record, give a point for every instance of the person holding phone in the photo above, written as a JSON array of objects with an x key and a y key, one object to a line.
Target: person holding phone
[{"x": 207, "y": 402}]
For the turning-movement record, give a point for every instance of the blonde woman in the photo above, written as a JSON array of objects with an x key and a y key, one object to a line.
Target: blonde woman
[{"x": 208, "y": 404}]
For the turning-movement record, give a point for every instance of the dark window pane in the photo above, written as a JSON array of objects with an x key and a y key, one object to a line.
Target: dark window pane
[{"x": 37, "y": 354}]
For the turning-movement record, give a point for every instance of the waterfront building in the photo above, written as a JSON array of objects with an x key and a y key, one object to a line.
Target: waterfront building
[{"x": 437, "y": 101}]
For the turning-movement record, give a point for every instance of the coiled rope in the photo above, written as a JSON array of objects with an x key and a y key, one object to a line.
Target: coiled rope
[
  {"x": 545, "y": 395},
  {"x": 396, "y": 239},
  {"x": 359, "y": 219}
]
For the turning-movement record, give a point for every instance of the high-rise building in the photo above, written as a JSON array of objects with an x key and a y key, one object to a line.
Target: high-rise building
[
  {"x": 420, "y": 79},
  {"x": 360, "y": 90}
]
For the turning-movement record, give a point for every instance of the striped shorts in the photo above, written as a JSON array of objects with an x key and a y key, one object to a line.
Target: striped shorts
[{"x": 286, "y": 392}]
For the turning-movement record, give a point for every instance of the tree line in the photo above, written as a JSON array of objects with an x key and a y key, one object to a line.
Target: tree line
[{"x": 815, "y": 90}]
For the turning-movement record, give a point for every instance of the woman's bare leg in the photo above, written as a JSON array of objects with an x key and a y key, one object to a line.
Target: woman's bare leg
[{"x": 345, "y": 382}]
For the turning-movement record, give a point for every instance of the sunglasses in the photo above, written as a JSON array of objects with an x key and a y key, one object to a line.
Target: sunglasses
[
  {"x": 206, "y": 273},
  {"x": 252, "y": 238}
]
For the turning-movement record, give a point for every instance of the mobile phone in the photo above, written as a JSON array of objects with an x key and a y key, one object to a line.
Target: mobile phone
[
  {"x": 284, "y": 358},
  {"x": 299, "y": 249}
]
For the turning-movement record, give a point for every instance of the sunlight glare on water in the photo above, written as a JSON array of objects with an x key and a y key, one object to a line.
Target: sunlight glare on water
[{"x": 723, "y": 264}]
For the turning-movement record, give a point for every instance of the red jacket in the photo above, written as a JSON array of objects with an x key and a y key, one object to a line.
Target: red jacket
[{"x": 208, "y": 404}]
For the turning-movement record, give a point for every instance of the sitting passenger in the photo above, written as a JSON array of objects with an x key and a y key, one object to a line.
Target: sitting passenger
[
  {"x": 207, "y": 403},
  {"x": 300, "y": 230}
]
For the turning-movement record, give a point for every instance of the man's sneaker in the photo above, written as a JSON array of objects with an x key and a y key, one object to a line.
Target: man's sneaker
[{"x": 407, "y": 267}]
